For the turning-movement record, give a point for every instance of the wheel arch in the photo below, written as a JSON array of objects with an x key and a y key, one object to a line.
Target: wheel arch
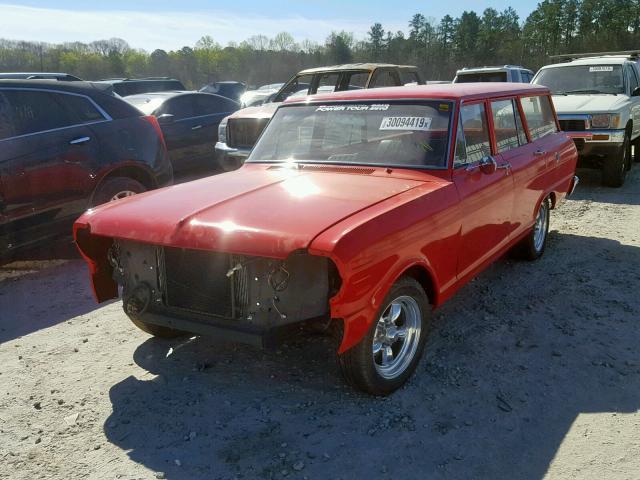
[{"x": 133, "y": 171}]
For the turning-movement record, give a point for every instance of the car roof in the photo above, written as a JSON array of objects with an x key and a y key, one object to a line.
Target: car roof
[
  {"x": 603, "y": 60},
  {"x": 449, "y": 91},
  {"x": 353, "y": 66},
  {"x": 82, "y": 87},
  {"x": 164, "y": 95},
  {"x": 134, "y": 80}
]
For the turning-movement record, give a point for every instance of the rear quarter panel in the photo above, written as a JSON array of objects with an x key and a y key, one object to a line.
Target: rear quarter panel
[{"x": 373, "y": 248}]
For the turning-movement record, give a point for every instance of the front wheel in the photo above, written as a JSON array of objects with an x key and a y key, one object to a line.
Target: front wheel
[
  {"x": 532, "y": 246},
  {"x": 615, "y": 168},
  {"x": 387, "y": 356},
  {"x": 116, "y": 188}
]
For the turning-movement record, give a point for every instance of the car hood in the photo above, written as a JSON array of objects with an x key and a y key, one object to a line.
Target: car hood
[
  {"x": 258, "y": 210},
  {"x": 588, "y": 103},
  {"x": 262, "y": 111}
]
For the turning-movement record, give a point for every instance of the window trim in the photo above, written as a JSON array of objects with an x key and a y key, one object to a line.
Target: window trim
[
  {"x": 515, "y": 102},
  {"x": 105, "y": 115},
  {"x": 489, "y": 121}
]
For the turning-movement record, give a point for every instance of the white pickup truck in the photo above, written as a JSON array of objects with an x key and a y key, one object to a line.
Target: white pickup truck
[{"x": 597, "y": 98}]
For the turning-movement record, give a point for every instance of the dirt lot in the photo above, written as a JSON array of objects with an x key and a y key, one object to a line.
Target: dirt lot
[{"x": 532, "y": 370}]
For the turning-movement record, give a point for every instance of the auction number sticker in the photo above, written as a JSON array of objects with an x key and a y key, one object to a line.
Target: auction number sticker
[
  {"x": 405, "y": 123},
  {"x": 604, "y": 68}
]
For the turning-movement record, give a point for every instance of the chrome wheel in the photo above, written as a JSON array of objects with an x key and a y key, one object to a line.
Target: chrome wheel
[
  {"x": 541, "y": 226},
  {"x": 122, "y": 194},
  {"x": 397, "y": 336}
]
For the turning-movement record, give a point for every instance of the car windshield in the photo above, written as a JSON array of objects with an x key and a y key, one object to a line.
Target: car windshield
[
  {"x": 582, "y": 79},
  {"x": 385, "y": 133}
]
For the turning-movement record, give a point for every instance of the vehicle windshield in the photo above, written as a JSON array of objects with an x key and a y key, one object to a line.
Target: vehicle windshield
[
  {"x": 482, "y": 77},
  {"x": 385, "y": 133},
  {"x": 582, "y": 79}
]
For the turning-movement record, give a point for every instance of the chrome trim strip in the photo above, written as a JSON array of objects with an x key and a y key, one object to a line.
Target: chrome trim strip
[{"x": 576, "y": 181}]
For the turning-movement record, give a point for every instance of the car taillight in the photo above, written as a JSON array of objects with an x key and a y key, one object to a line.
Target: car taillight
[{"x": 156, "y": 126}]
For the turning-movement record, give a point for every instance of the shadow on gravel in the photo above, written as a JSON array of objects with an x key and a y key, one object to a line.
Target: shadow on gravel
[
  {"x": 504, "y": 376},
  {"x": 591, "y": 188},
  {"x": 30, "y": 288}
]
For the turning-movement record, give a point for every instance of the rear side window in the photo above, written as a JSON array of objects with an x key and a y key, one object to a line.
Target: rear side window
[
  {"x": 81, "y": 109},
  {"x": 539, "y": 114},
  {"x": 210, "y": 104},
  {"x": 181, "y": 107},
  {"x": 507, "y": 125},
  {"x": 473, "y": 135},
  {"x": 36, "y": 111},
  {"x": 6, "y": 117}
]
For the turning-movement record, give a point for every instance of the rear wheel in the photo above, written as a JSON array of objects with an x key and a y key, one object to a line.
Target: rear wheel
[
  {"x": 532, "y": 246},
  {"x": 116, "y": 188},
  {"x": 614, "y": 170},
  {"x": 387, "y": 356}
]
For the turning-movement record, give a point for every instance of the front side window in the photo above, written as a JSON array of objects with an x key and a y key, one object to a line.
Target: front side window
[
  {"x": 474, "y": 143},
  {"x": 298, "y": 86},
  {"x": 384, "y": 78},
  {"x": 539, "y": 114},
  {"x": 327, "y": 83},
  {"x": 356, "y": 80},
  {"x": 409, "y": 78},
  {"x": 37, "y": 111},
  {"x": 393, "y": 134},
  {"x": 582, "y": 79},
  {"x": 507, "y": 125},
  {"x": 180, "y": 107}
]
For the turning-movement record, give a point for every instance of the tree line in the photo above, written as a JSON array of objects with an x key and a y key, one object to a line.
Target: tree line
[{"x": 437, "y": 47}]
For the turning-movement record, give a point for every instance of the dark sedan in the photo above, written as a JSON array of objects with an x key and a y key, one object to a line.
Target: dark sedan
[
  {"x": 65, "y": 147},
  {"x": 189, "y": 122}
]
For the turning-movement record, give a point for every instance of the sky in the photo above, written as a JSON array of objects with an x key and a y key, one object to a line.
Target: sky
[{"x": 155, "y": 24}]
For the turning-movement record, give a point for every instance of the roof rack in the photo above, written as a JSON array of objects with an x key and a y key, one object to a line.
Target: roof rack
[{"x": 567, "y": 57}]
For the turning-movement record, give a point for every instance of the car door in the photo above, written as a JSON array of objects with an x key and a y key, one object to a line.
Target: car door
[
  {"x": 47, "y": 165},
  {"x": 209, "y": 110},
  {"x": 485, "y": 198},
  {"x": 180, "y": 136},
  {"x": 527, "y": 160}
]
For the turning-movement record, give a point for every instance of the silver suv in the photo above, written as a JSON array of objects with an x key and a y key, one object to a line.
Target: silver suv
[
  {"x": 597, "y": 98},
  {"x": 504, "y": 73}
]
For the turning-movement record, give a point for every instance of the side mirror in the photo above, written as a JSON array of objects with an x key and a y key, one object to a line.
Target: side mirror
[
  {"x": 636, "y": 92},
  {"x": 165, "y": 119},
  {"x": 488, "y": 165}
]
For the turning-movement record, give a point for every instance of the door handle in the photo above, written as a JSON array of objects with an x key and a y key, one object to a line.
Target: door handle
[
  {"x": 539, "y": 153},
  {"x": 197, "y": 127},
  {"x": 79, "y": 140}
]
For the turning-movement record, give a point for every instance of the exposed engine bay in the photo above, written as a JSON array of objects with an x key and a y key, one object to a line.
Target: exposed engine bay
[{"x": 206, "y": 292}]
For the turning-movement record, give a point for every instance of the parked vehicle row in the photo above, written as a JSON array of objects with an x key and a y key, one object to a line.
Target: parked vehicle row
[
  {"x": 65, "y": 147},
  {"x": 367, "y": 207},
  {"x": 239, "y": 132}
]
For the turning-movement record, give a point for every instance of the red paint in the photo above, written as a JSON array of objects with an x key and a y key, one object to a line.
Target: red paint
[{"x": 374, "y": 225}]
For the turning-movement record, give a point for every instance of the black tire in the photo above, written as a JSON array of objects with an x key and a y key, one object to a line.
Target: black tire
[
  {"x": 358, "y": 366},
  {"x": 532, "y": 246},
  {"x": 615, "y": 167},
  {"x": 116, "y": 186},
  {"x": 156, "y": 330}
]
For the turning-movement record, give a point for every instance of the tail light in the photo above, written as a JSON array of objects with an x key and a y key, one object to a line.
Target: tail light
[{"x": 156, "y": 126}]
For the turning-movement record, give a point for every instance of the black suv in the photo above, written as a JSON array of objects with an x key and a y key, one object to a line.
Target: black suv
[
  {"x": 67, "y": 146},
  {"x": 134, "y": 86}
]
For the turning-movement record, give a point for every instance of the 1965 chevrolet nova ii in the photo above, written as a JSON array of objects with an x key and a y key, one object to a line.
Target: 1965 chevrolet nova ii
[{"x": 367, "y": 207}]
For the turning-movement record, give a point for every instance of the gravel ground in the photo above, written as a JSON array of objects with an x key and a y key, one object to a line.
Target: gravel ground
[{"x": 532, "y": 371}]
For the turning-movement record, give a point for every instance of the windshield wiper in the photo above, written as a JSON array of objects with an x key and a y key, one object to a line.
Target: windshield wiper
[{"x": 569, "y": 92}]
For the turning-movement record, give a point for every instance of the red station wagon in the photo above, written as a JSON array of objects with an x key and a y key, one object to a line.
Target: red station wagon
[{"x": 369, "y": 208}]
